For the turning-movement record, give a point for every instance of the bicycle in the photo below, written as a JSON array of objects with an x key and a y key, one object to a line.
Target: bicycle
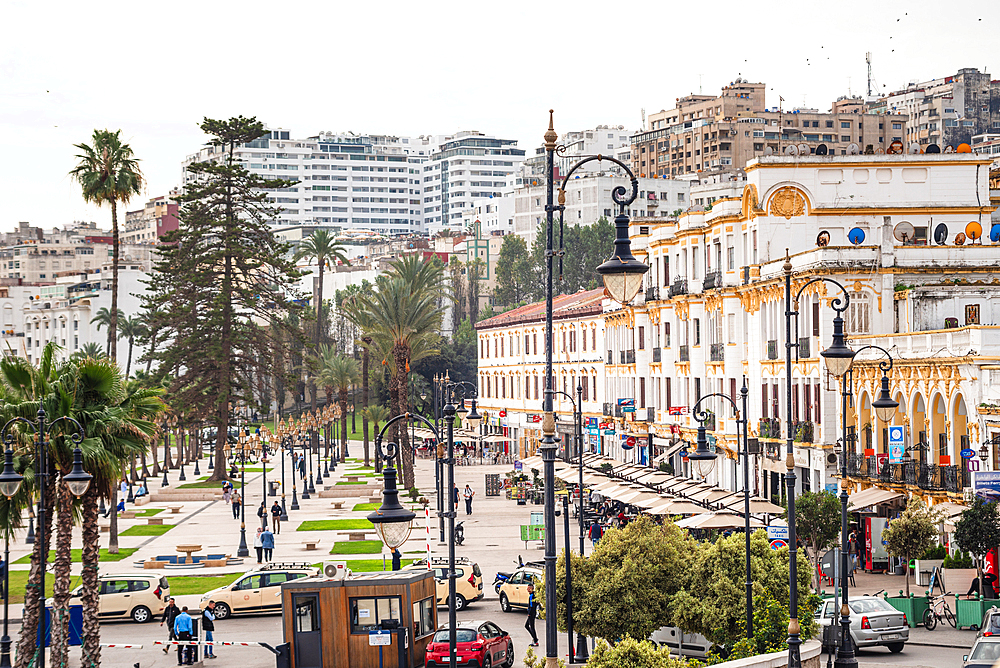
[{"x": 939, "y": 610}]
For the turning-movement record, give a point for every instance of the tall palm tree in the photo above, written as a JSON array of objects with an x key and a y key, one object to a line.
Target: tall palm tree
[
  {"x": 131, "y": 328},
  {"x": 354, "y": 312},
  {"x": 103, "y": 319},
  {"x": 377, "y": 413},
  {"x": 341, "y": 373},
  {"x": 91, "y": 350},
  {"x": 109, "y": 173}
]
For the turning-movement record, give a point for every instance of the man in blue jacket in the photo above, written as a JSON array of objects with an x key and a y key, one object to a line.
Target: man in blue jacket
[{"x": 182, "y": 631}]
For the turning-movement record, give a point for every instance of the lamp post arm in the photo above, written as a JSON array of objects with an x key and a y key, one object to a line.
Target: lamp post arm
[
  {"x": 884, "y": 365},
  {"x": 571, "y": 399},
  {"x": 702, "y": 416},
  {"x": 836, "y": 304},
  {"x": 398, "y": 418}
]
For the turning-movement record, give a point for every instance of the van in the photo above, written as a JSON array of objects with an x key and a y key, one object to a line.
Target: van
[{"x": 138, "y": 597}]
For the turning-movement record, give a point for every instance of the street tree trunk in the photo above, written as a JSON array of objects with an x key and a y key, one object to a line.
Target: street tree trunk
[
  {"x": 59, "y": 625},
  {"x": 27, "y": 652},
  {"x": 91, "y": 631},
  {"x": 367, "y": 340},
  {"x": 115, "y": 252}
]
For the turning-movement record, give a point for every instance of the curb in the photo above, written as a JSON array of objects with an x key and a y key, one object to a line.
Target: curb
[{"x": 936, "y": 644}]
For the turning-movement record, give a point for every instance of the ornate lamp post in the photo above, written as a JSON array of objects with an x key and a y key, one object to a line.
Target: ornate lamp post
[
  {"x": 301, "y": 439},
  {"x": 10, "y": 482},
  {"x": 622, "y": 275},
  {"x": 165, "y": 426},
  {"x": 241, "y": 455},
  {"x": 314, "y": 443}
]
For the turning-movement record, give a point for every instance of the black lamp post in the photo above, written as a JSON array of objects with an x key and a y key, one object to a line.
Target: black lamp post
[
  {"x": 181, "y": 454},
  {"x": 166, "y": 451},
  {"x": 77, "y": 480},
  {"x": 197, "y": 452},
  {"x": 622, "y": 276},
  {"x": 290, "y": 450},
  {"x": 440, "y": 381},
  {"x": 243, "y": 443},
  {"x": 10, "y": 482}
]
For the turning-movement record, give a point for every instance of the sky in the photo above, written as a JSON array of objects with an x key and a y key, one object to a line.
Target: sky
[{"x": 154, "y": 70}]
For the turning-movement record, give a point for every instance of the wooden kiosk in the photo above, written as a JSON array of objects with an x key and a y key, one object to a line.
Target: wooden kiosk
[{"x": 331, "y": 623}]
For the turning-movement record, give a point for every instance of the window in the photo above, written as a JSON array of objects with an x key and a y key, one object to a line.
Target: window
[
  {"x": 666, "y": 335},
  {"x": 252, "y": 582},
  {"x": 583, "y": 339},
  {"x": 367, "y": 614},
  {"x": 423, "y": 617},
  {"x": 593, "y": 338},
  {"x": 306, "y": 615},
  {"x": 534, "y": 344},
  {"x": 697, "y": 331},
  {"x": 642, "y": 338},
  {"x": 536, "y": 387},
  {"x": 859, "y": 313},
  {"x": 527, "y": 341},
  {"x": 584, "y": 384}
]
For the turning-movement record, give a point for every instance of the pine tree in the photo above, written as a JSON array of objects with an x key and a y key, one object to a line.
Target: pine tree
[{"x": 220, "y": 280}]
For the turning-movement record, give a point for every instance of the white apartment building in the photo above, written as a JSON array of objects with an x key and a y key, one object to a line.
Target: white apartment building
[
  {"x": 512, "y": 370},
  {"x": 46, "y": 261},
  {"x": 600, "y": 140},
  {"x": 364, "y": 182},
  {"x": 588, "y": 198}
]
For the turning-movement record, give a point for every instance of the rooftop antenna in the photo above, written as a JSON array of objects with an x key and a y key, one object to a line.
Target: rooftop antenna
[
  {"x": 872, "y": 85},
  {"x": 644, "y": 118},
  {"x": 699, "y": 84}
]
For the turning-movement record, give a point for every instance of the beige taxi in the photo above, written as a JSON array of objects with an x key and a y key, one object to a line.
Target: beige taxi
[
  {"x": 468, "y": 584},
  {"x": 514, "y": 592},
  {"x": 140, "y": 598},
  {"x": 257, "y": 591}
]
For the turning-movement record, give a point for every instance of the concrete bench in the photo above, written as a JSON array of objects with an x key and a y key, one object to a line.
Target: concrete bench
[
  {"x": 126, "y": 515},
  {"x": 374, "y": 499},
  {"x": 311, "y": 544},
  {"x": 357, "y": 535},
  {"x": 141, "y": 500},
  {"x": 174, "y": 510},
  {"x": 353, "y": 478},
  {"x": 154, "y": 520},
  {"x": 337, "y": 504}
]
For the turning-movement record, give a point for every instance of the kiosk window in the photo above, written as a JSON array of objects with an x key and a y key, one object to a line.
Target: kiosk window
[
  {"x": 423, "y": 617},
  {"x": 306, "y": 618},
  {"x": 368, "y": 613}
]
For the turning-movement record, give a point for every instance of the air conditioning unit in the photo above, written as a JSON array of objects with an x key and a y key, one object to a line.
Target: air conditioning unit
[
  {"x": 831, "y": 459},
  {"x": 335, "y": 570}
]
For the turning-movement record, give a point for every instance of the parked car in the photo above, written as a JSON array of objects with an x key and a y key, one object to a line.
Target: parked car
[
  {"x": 683, "y": 644},
  {"x": 468, "y": 584},
  {"x": 256, "y": 591},
  {"x": 991, "y": 623},
  {"x": 139, "y": 597},
  {"x": 873, "y": 622},
  {"x": 514, "y": 592},
  {"x": 477, "y": 643},
  {"x": 984, "y": 654}
]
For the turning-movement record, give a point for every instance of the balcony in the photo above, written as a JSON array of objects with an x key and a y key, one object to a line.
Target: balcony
[
  {"x": 678, "y": 287},
  {"x": 657, "y": 354},
  {"x": 611, "y": 357},
  {"x": 769, "y": 428},
  {"x": 772, "y": 349},
  {"x": 683, "y": 354},
  {"x": 652, "y": 293},
  {"x": 713, "y": 280},
  {"x": 804, "y": 431},
  {"x": 855, "y": 464},
  {"x": 627, "y": 357},
  {"x": 717, "y": 352},
  {"x": 804, "y": 351},
  {"x": 608, "y": 410}
]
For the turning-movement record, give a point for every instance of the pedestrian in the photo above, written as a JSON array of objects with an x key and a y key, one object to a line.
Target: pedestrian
[
  {"x": 397, "y": 559},
  {"x": 3, "y": 569},
  {"x": 529, "y": 625},
  {"x": 169, "y": 615},
  {"x": 262, "y": 514},
  {"x": 458, "y": 496},
  {"x": 233, "y": 471},
  {"x": 276, "y": 517},
  {"x": 595, "y": 533},
  {"x": 302, "y": 468},
  {"x": 208, "y": 624},
  {"x": 227, "y": 492},
  {"x": 142, "y": 491},
  {"x": 267, "y": 543},
  {"x": 467, "y": 495},
  {"x": 258, "y": 544},
  {"x": 182, "y": 629},
  {"x": 237, "y": 500},
  {"x": 123, "y": 490}
]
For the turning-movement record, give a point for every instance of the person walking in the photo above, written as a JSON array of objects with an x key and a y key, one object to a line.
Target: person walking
[
  {"x": 208, "y": 624},
  {"x": 397, "y": 559},
  {"x": 595, "y": 533},
  {"x": 123, "y": 491},
  {"x": 276, "y": 517},
  {"x": 258, "y": 544},
  {"x": 262, "y": 514},
  {"x": 458, "y": 496},
  {"x": 169, "y": 615},
  {"x": 267, "y": 543},
  {"x": 227, "y": 492},
  {"x": 529, "y": 625},
  {"x": 467, "y": 495},
  {"x": 302, "y": 468},
  {"x": 182, "y": 629}
]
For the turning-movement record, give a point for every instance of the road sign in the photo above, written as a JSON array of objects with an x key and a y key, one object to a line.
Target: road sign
[
  {"x": 968, "y": 453},
  {"x": 379, "y": 638},
  {"x": 895, "y": 444},
  {"x": 778, "y": 544},
  {"x": 503, "y": 413},
  {"x": 777, "y": 533}
]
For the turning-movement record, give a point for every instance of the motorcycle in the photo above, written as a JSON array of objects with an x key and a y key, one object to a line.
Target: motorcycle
[
  {"x": 503, "y": 576},
  {"x": 459, "y": 533}
]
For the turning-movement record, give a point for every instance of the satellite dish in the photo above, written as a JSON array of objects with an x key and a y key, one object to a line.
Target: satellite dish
[
  {"x": 932, "y": 148},
  {"x": 853, "y": 149},
  {"x": 959, "y": 239},
  {"x": 822, "y": 150},
  {"x": 974, "y": 230},
  {"x": 995, "y": 233},
  {"x": 856, "y": 236},
  {"x": 823, "y": 239},
  {"x": 914, "y": 148},
  {"x": 963, "y": 148},
  {"x": 949, "y": 149},
  {"x": 941, "y": 234},
  {"x": 895, "y": 147},
  {"x": 804, "y": 149},
  {"x": 791, "y": 150},
  {"x": 903, "y": 232},
  {"x": 768, "y": 150}
]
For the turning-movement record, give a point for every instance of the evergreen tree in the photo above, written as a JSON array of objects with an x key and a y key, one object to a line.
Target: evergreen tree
[
  {"x": 513, "y": 272},
  {"x": 219, "y": 281}
]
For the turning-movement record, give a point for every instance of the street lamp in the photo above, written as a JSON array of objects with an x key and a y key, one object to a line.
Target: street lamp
[
  {"x": 243, "y": 442},
  {"x": 10, "y": 482},
  {"x": 622, "y": 276},
  {"x": 440, "y": 382}
]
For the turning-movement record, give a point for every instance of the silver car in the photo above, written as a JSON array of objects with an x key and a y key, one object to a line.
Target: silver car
[{"x": 873, "y": 622}]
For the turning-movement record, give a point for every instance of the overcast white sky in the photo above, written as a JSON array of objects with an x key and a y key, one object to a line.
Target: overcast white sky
[{"x": 155, "y": 69}]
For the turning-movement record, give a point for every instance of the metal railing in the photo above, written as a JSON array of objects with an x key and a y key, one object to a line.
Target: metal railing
[
  {"x": 804, "y": 431},
  {"x": 629, "y": 357},
  {"x": 772, "y": 349},
  {"x": 804, "y": 347},
  {"x": 652, "y": 293},
  {"x": 717, "y": 352},
  {"x": 769, "y": 428},
  {"x": 713, "y": 280},
  {"x": 679, "y": 286},
  {"x": 683, "y": 353}
]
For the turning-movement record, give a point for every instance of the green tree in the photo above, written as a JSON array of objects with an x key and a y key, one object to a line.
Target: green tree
[
  {"x": 90, "y": 349},
  {"x": 109, "y": 173},
  {"x": 103, "y": 318},
  {"x": 632, "y": 653},
  {"x": 817, "y": 522},
  {"x": 341, "y": 373},
  {"x": 978, "y": 530},
  {"x": 912, "y": 533},
  {"x": 131, "y": 328},
  {"x": 223, "y": 284},
  {"x": 584, "y": 247},
  {"x": 377, "y": 414},
  {"x": 513, "y": 271}
]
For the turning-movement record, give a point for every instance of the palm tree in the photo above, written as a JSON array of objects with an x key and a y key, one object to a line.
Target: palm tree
[
  {"x": 377, "y": 413},
  {"x": 340, "y": 372},
  {"x": 103, "y": 319},
  {"x": 109, "y": 173},
  {"x": 89, "y": 350},
  {"x": 131, "y": 328}
]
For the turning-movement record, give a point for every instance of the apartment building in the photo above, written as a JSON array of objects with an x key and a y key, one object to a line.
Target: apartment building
[
  {"x": 148, "y": 224},
  {"x": 576, "y": 144},
  {"x": 46, "y": 262},
  {"x": 947, "y": 111},
  {"x": 706, "y": 134}
]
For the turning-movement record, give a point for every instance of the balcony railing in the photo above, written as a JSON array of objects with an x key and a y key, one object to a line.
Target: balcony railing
[
  {"x": 925, "y": 476},
  {"x": 804, "y": 347},
  {"x": 855, "y": 464},
  {"x": 683, "y": 354},
  {"x": 679, "y": 286},
  {"x": 652, "y": 293},
  {"x": 717, "y": 352},
  {"x": 804, "y": 431},
  {"x": 657, "y": 354},
  {"x": 769, "y": 428},
  {"x": 611, "y": 357},
  {"x": 772, "y": 349},
  {"x": 713, "y": 280}
]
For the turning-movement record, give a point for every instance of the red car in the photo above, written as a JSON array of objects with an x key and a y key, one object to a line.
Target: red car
[{"x": 481, "y": 644}]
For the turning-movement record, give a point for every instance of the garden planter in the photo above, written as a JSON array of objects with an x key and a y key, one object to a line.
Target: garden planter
[
  {"x": 912, "y": 606},
  {"x": 969, "y": 612}
]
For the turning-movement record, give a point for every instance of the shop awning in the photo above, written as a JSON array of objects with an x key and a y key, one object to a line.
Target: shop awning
[
  {"x": 719, "y": 520},
  {"x": 420, "y": 432},
  {"x": 757, "y": 505},
  {"x": 676, "y": 507},
  {"x": 950, "y": 509},
  {"x": 497, "y": 438},
  {"x": 872, "y": 496}
]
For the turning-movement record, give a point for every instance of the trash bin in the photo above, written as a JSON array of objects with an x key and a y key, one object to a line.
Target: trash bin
[
  {"x": 273, "y": 485},
  {"x": 969, "y": 613}
]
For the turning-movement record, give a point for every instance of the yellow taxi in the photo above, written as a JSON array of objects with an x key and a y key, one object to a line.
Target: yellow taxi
[
  {"x": 514, "y": 592},
  {"x": 468, "y": 584}
]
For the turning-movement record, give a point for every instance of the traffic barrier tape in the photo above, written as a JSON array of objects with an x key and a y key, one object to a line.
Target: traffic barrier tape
[
  {"x": 121, "y": 646},
  {"x": 196, "y": 642}
]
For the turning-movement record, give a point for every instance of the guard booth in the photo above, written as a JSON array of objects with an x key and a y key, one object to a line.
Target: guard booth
[{"x": 344, "y": 623}]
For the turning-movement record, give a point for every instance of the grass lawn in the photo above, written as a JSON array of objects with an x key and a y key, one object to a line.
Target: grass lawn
[
  {"x": 357, "y": 547},
  {"x": 353, "y": 482},
  {"x": 197, "y": 584},
  {"x": 77, "y": 555},
  {"x": 19, "y": 582},
  {"x": 373, "y": 565},
  {"x": 147, "y": 530},
  {"x": 334, "y": 525},
  {"x": 366, "y": 506},
  {"x": 201, "y": 485},
  {"x": 149, "y": 512}
]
